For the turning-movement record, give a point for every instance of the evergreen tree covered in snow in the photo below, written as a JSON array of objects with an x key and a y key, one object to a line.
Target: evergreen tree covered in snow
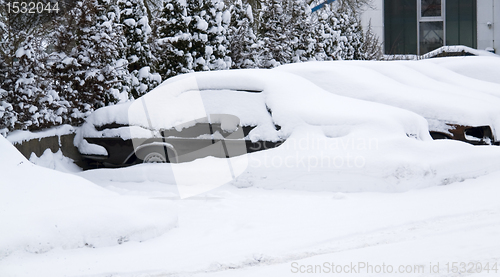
[
  {"x": 372, "y": 48},
  {"x": 287, "y": 32},
  {"x": 351, "y": 35},
  {"x": 217, "y": 48},
  {"x": 173, "y": 40},
  {"x": 327, "y": 35},
  {"x": 5, "y": 45},
  {"x": 198, "y": 28},
  {"x": 86, "y": 64},
  {"x": 7, "y": 115},
  {"x": 35, "y": 101},
  {"x": 338, "y": 34},
  {"x": 208, "y": 24},
  {"x": 191, "y": 36},
  {"x": 243, "y": 44},
  {"x": 26, "y": 99},
  {"x": 274, "y": 34},
  {"x": 7, "y": 53},
  {"x": 136, "y": 30},
  {"x": 301, "y": 32}
]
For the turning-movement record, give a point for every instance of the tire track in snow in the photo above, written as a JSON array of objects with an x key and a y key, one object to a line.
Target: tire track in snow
[{"x": 403, "y": 233}]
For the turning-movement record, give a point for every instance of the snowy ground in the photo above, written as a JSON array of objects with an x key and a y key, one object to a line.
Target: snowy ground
[
  {"x": 362, "y": 193},
  {"x": 251, "y": 231}
]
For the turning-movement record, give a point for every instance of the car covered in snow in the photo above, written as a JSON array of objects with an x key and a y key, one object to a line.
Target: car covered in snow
[
  {"x": 459, "y": 96},
  {"x": 219, "y": 133},
  {"x": 228, "y": 113}
]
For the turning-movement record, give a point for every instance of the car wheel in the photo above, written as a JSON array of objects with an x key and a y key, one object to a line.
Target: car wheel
[{"x": 154, "y": 157}]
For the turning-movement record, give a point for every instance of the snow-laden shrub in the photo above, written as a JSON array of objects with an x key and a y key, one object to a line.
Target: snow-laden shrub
[
  {"x": 86, "y": 64},
  {"x": 134, "y": 23},
  {"x": 244, "y": 47}
]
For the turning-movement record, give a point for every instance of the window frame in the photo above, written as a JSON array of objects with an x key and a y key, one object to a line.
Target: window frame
[{"x": 421, "y": 19}]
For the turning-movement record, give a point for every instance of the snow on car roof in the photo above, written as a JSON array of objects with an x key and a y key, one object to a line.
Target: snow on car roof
[
  {"x": 458, "y": 49},
  {"x": 440, "y": 89}
]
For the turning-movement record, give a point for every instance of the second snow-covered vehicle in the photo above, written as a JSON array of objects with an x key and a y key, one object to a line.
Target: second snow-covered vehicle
[
  {"x": 229, "y": 113},
  {"x": 459, "y": 96}
]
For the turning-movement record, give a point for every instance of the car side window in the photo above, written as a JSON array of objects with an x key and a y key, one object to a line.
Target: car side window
[{"x": 197, "y": 130}]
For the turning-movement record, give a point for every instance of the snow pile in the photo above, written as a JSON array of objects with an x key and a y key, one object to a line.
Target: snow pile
[
  {"x": 479, "y": 68},
  {"x": 56, "y": 161},
  {"x": 240, "y": 231},
  {"x": 293, "y": 102},
  {"x": 42, "y": 209},
  {"x": 428, "y": 87},
  {"x": 311, "y": 160},
  {"x": 19, "y": 136},
  {"x": 458, "y": 49}
]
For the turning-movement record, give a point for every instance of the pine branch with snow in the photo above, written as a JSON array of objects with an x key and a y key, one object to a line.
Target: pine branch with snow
[
  {"x": 173, "y": 40},
  {"x": 136, "y": 30},
  {"x": 244, "y": 47},
  {"x": 274, "y": 34},
  {"x": 86, "y": 62}
]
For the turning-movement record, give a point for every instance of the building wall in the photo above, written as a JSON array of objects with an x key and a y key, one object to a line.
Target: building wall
[
  {"x": 376, "y": 14},
  {"x": 487, "y": 11}
]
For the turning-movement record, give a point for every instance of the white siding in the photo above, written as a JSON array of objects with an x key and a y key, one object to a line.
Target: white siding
[
  {"x": 485, "y": 14},
  {"x": 496, "y": 26},
  {"x": 376, "y": 14}
]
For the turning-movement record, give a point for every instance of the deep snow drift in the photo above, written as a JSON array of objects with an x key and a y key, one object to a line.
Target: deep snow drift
[
  {"x": 42, "y": 209},
  {"x": 260, "y": 232}
]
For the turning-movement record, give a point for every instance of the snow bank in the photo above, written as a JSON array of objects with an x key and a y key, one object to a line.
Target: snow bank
[
  {"x": 42, "y": 209},
  {"x": 241, "y": 230},
  {"x": 20, "y": 135},
  {"x": 56, "y": 161},
  {"x": 310, "y": 160},
  {"x": 479, "y": 68},
  {"x": 426, "y": 87}
]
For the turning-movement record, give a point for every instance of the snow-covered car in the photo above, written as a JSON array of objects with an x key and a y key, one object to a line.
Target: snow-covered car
[
  {"x": 219, "y": 134},
  {"x": 225, "y": 114},
  {"x": 459, "y": 96}
]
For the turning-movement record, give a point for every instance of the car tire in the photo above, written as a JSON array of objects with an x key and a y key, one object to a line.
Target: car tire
[{"x": 154, "y": 157}]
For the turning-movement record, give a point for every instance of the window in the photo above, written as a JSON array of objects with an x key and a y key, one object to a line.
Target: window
[
  {"x": 431, "y": 36},
  {"x": 461, "y": 23},
  {"x": 431, "y": 25},
  {"x": 430, "y": 8},
  {"x": 420, "y": 26},
  {"x": 400, "y": 27}
]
